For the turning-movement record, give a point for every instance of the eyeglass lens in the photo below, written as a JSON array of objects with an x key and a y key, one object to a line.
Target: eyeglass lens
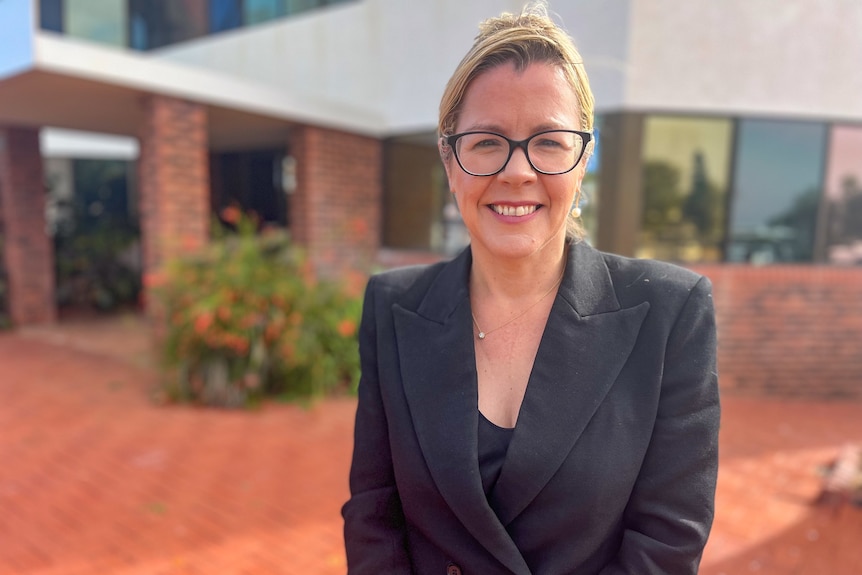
[{"x": 485, "y": 153}]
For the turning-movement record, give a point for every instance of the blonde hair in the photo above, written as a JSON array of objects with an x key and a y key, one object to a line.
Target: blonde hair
[{"x": 521, "y": 39}]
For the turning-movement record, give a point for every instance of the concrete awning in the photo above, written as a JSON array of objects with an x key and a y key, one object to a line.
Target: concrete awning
[{"x": 81, "y": 86}]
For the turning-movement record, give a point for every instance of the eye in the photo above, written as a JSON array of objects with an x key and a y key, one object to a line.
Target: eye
[
  {"x": 545, "y": 142},
  {"x": 485, "y": 142}
]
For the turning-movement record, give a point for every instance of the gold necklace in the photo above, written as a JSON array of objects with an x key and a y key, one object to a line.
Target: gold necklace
[{"x": 483, "y": 334}]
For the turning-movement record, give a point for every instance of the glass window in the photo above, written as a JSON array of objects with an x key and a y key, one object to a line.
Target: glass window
[
  {"x": 842, "y": 214},
  {"x": 103, "y": 21},
  {"x": 51, "y": 15},
  {"x": 686, "y": 162},
  {"x": 251, "y": 179},
  {"x": 158, "y": 23},
  {"x": 225, "y": 15},
  {"x": 294, "y": 6},
  {"x": 419, "y": 212},
  {"x": 777, "y": 188},
  {"x": 255, "y": 11}
]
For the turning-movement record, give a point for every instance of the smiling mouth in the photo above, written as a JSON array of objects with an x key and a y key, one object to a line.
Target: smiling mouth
[{"x": 517, "y": 211}]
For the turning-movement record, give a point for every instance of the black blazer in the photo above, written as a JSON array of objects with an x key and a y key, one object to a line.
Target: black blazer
[{"x": 612, "y": 465}]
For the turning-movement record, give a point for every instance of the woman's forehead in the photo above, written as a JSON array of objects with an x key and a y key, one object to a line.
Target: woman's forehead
[{"x": 501, "y": 99}]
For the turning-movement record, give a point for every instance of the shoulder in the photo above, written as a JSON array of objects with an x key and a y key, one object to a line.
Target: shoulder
[
  {"x": 636, "y": 280},
  {"x": 440, "y": 283},
  {"x": 402, "y": 285}
]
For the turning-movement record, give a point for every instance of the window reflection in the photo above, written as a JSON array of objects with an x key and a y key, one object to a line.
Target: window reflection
[
  {"x": 151, "y": 24},
  {"x": 154, "y": 24},
  {"x": 102, "y": 21},
  {"x": 51, "y": 15},
  {"x": 842, "y": 218},
  {"x": 686, "y": 162},
  {"x": 777, "y": 185},
  {"x": 255, "y": 11},
  {"x": 225, "y": 15}
]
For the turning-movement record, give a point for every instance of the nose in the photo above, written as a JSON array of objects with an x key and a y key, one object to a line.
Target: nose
[{"x": 518, "y": 167}]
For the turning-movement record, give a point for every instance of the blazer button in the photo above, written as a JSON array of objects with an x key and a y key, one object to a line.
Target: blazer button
[{"x": 453, "y": 569}]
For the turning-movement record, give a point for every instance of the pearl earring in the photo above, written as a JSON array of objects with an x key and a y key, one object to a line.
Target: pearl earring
[{"x": 576, "y": 212}]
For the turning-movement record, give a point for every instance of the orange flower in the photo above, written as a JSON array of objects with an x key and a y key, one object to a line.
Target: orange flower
[
  {"x": 270, "y": 334},
  {"x": 231, "y": 214},
  {"x": 224, "y": 313},
  {"x": 203, "y": 322},
  {"x": 154, "y": 279},
  {"x": 347, "y": 328},
  {"x": 239, "y": 345}
]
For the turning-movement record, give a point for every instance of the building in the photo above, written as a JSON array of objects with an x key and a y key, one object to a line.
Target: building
[{"x": 730, "y": 140}]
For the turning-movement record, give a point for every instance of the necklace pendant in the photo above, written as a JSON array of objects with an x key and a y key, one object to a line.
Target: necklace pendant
[{"x": 481, "y": 335}]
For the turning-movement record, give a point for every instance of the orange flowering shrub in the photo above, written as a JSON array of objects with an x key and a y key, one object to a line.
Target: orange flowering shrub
[{"x": 250, "y": 319}]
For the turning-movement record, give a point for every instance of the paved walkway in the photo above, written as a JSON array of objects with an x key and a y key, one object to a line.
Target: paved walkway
[{"x": 96, "y": 478}]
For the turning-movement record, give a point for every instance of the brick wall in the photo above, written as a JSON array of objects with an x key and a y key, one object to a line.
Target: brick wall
[
  {"x": 173, "y": 182},
  {"x": 336, "y": 209},
  {"x": 789, "y": 330},
  {"x": 28, "y": 250}
]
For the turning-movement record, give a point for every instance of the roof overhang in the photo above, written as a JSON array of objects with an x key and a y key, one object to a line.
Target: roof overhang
[{"x": 76, "y": 85}]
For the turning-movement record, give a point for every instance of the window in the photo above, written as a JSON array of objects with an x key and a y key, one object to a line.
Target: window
[
  {"x": 51, "y": 15},
  {"x": 294, "y": 6},
  {"x": 419, "y": 212},
  {"x": 777, "y": 188},
  {"x": 255, "y": 11},
  {"x": 225, "y": 15},
  {"x": 102, "y": 21},
  {"x": 686, "y": 162},
  {"x": 841, "y": 218},
  {"x": 153, "y": 24},
  {"x": 251, "y": 179}
]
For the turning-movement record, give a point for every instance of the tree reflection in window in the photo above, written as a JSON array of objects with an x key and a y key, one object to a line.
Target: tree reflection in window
[{"x": 685, "y": 175}]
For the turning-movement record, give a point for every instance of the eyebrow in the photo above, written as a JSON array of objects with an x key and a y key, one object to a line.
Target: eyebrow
[{"x": 481, "y": 127}]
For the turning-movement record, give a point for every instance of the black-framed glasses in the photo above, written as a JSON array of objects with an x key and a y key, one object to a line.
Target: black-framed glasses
[{"x": 550, "y": 152}]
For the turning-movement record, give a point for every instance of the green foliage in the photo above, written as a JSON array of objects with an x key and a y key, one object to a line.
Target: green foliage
[
  {"x": 90, "y": 267},
  {"x": 249, "y": 319}
]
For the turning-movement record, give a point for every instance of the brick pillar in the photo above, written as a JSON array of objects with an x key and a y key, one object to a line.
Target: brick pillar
[
  {"x": 173, "y": 183},
  {"x": 335, "y": 211},
  {"x": 28, "y": 251}
]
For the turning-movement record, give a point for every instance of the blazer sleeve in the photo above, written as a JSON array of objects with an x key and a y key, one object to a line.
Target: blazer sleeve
[
  {"x": 670, "y": 512},
  {"x": 374, "y": 531}
]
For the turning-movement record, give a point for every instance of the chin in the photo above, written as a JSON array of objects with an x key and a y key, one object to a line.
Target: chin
[{"x": 514, "y": 247}]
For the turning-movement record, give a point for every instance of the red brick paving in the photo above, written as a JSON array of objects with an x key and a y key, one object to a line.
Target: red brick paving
[{"x": 95, "y": 478}]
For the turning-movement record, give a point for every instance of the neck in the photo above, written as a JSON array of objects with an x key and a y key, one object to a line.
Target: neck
[{"x": 517, "y": 279}]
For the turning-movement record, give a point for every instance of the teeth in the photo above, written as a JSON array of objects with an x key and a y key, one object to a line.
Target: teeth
[{"x": 514, "y": 211}]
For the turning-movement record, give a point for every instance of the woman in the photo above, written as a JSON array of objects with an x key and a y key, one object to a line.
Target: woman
[{"x": 534, "y": 406}]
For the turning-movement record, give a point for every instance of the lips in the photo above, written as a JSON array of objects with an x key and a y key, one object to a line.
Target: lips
[{"x": 516, "y": 211}]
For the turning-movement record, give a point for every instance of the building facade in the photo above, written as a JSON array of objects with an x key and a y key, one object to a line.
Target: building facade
[{"x": 729, "y": 140}]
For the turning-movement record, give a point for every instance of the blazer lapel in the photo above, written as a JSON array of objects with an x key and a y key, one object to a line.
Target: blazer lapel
[
  {"x": 438, "y": 368},
  {"x": 586, "y": 342}
]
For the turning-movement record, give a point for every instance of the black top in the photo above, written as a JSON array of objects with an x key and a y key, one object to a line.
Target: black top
[{"x": 493, "y": 445}]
